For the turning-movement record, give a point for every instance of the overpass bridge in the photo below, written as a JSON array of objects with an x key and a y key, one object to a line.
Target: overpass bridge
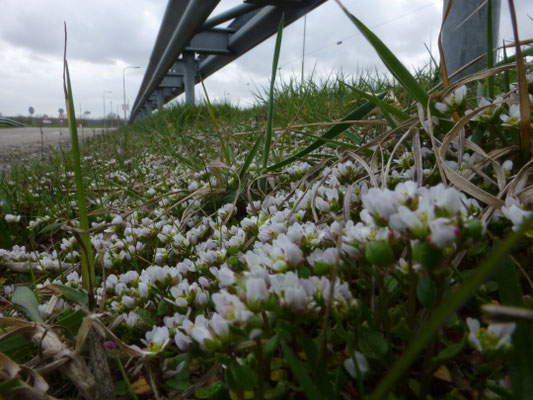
[{"x": 191, "y": 43}]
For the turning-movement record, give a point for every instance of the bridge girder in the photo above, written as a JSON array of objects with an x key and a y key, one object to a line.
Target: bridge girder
[{"x": 190, "y": 44}]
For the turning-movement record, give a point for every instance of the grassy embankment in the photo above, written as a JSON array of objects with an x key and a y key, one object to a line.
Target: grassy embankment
[{"x": 216, "y": 234}]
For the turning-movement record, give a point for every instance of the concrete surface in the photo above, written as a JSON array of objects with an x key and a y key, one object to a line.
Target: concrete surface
[{"x": 27, "y": 142}]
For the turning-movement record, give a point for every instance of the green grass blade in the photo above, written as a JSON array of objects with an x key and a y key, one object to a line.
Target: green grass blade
[
  {"x": 301, "y": 375},
  {"x": 223, "y": 142},
  {"x": 87, "y": 262},
  {"x": 250, "y": 157},
  {"x": 331, "y": 133},
  {"x": 442, "y": 313},
  {"x": 268, "y": 134},
  {"x": 385, "y": 108},
  {"x": 392, "y": 63}
]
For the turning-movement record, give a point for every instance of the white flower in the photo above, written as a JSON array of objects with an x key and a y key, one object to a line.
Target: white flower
[
  {"x": 380, "y": 203},
  {"x": 226, "y": 277},
  {"x": 328, "y": 256},
  {"x": 495, "y": 337},
  {"x": 514, "y": 213},
  {"x": 443, "y": 234},
  {"x": 131, "y": 318},
  {"x": 362, "y": 365},
  {"x": 200, "y": 331},
  {"x": 220, "y": 325},
  {"x": 407, "y": 220},
  {"x": 321, "y": 204},
  {"x": 12, "y": 218},
  {"x": 452, "y": 100},
  {"x": 182, "y": 341},
  {"x": 256, "y": 290},
  {"x": 513, "y": 119},
  {"x": 158, "y": 338},
  {"x": 507, "y": 165},
  {"x": 128, "y": 301}
]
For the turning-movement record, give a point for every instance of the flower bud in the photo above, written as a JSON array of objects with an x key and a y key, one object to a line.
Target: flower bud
[
  {"x": 379, "y": 252},
  {"x": 427, "y": 255},
  {"x": 474, "y": 229},
  {"x": 321, "y": 268}
]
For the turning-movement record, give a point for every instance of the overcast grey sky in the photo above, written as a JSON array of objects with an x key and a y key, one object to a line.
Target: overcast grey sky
[{"x": 107, "y": 35}]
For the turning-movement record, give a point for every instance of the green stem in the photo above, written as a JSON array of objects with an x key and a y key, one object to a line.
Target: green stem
[{"x": 260, "y": 369}]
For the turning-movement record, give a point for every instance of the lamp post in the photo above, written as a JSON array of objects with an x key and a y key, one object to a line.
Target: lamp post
[
  {"x": 103, "y": 98},
  {"x": 124, "y": 89}
]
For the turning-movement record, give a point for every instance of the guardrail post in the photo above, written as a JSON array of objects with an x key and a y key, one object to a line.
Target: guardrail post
[
  {"x": 189, "y": 64},
  {"x": 464, "y": 35}
]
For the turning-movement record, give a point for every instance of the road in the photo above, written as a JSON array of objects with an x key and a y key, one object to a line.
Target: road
[{"x": 28, "y": 142}]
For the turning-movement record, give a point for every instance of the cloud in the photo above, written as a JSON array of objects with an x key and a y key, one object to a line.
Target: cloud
[{"x": 107, "y": 35}]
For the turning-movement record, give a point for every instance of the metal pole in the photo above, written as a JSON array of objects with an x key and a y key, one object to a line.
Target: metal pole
[
  {"x": 190, "y": 72},
  {"x": 303, "y": 48},
  {"x": 103, "y": 98},
  {"x": 464, "y": 34},
  {"x": 124, "y": 89}
]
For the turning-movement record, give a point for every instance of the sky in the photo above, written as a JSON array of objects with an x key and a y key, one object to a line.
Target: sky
[{"x": 106, "y": 36}]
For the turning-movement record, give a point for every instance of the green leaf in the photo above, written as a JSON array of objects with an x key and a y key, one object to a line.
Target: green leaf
[
  {"x": 271, "y": 345},
  {"x": 16, "y": 347},
  {"x": 449, "y": 352},
  {"x": 442, "y": 313},
  {"x": 27, "y": 302},
  {"x": 5, "y": 237},
  {"x": 371, "y": 344},
  {"x": 50, "y": 227},
  {"x": 10, "y": 384},
  {"x": 331, "y": 133},
  {"x": 268, "y": 134},
  {"x": 302, "y": 376},
  {"x": 162, "y": 308},
  {"x": 244, "y": 377},
  {"x": 74, "y": 295},
  {"x": 73, "y": 321},
  {"x": 217, "y": 391},
  {"x": 426, "y": 291},
  {"x": 146, "y": 317},
  {"x": 392, "y": 63}
]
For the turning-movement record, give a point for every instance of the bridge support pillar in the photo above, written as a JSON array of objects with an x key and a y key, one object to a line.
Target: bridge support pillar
[
  {"x": 160, "y": 99},
  {"x": 189, "y": 63}
]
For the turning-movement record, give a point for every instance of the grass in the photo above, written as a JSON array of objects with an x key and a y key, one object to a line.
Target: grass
[{"x": 327, "y": 260}]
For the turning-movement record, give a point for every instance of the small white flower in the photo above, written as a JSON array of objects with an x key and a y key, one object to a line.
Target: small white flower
[
  {"x": 443, "y": 234},
  {"x": 12, "y": 218},
  {"x": 494, "y": 337},
  {"x": 362, "y": 365},
  {"x": 513, "y": 119},
  {"x": 256, "y": 290}
]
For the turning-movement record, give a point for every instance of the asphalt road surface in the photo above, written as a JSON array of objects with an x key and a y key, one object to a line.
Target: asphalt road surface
[{"x": 29, "y": 143}]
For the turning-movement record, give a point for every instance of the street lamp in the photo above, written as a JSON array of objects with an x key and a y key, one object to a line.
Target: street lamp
[
  {"x": 124, "y": 89},
  {"x": 103, "y": 98}
]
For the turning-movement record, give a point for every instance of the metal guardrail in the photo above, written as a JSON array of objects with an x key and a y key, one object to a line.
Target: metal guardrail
[
  {"x": 11, "y": 122},
  {"x": 191, "y": 44}
]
